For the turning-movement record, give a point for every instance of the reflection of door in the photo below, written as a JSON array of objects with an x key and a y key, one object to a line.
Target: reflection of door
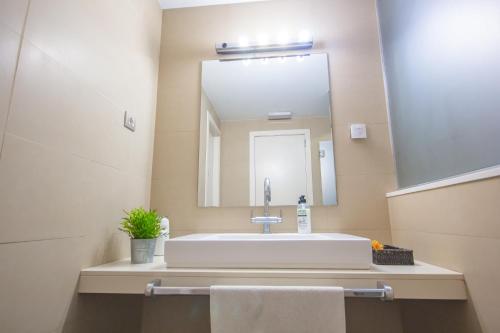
[
  {"x": 212, "y": 163},
  {"x": 284, "y": 157},
  {"x": 327, "y": 165}
]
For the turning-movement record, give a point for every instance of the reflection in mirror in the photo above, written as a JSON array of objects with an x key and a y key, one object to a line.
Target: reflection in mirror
[{"x": 266, "y": 118}]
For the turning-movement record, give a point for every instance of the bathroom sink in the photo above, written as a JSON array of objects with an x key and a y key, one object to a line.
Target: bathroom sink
[{"x": 239, "y": 250}]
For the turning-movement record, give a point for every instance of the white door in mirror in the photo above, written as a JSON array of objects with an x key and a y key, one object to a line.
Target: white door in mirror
[{"x": 285, "y": 158}]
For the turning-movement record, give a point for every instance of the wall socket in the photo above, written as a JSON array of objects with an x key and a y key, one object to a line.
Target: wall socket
[
  {"x": 358, "y": 131},
  {"x": 129, "y": 121}
]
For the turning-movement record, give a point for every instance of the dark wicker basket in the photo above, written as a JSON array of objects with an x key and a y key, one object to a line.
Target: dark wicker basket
[{"x": 392, "y": 255}]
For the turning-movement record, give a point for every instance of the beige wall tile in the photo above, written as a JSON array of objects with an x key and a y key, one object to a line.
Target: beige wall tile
[
  {"x": 52, "y": 107},
  {"x": 68, "y": 167},
  {"x": 37, "y": 281},
  {"x": 176, "y": 156},
  {"x": 66, "y": 195},
  {"x": 356, "y": 88},
  {"x": 94, "y": 45},
  {"x": 13, "y": 14},
  {"x": 9, "y": 47},
  {"x": 470, "y": 209},
  {"x": 471, "y": 255},
  {"x": 456, "y": 227},
  {"x": 107, "y": 244},
  {"x": 367, "y": 157},
  {"x": 40, "y": 192},
  {"x": 362, "y": 202}
]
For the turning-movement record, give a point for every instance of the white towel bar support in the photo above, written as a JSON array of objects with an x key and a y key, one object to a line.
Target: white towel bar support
[{"x": 382, "y": 292}]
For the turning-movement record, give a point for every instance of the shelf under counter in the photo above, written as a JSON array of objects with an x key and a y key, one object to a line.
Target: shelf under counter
[{"x": 421, "y": 281}]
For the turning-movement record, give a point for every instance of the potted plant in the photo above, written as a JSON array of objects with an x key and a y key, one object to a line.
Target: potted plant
[{"x": 143, "y": 228}]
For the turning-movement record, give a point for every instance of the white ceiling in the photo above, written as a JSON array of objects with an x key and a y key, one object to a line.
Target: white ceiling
[
  {"x": 170, "y": 4},
  {"x": 239, "y": 90}
]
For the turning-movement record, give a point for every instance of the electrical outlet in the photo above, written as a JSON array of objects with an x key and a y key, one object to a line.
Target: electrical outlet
[
  {"x": 129, "y": 121},
  {"x": 358, "y": 131}
]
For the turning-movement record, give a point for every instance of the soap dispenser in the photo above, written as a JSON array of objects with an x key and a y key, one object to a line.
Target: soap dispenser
[
  {"x": 303, "y": 216},
  {"x": 164, "y": 235}
]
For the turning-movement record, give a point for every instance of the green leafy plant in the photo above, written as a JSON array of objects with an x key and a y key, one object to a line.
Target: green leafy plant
[{"x": 141, "y": 224}]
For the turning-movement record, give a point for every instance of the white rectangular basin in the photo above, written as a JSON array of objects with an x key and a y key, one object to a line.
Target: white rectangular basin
[{"x": 327, "y": 250}]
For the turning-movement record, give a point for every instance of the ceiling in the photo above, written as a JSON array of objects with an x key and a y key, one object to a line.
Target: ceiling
[
  {"x": 250, "y": 90},
  {"x": 170, "y": 4}
]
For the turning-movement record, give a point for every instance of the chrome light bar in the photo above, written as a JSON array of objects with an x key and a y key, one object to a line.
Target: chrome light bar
[{"x": 237, "y": 48}]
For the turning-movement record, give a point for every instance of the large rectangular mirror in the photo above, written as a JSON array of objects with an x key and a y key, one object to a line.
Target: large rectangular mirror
[{"x": 266, "y": 118}]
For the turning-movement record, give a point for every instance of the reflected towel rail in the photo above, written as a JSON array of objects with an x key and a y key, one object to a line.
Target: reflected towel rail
[{"x": 382, "y": 292}]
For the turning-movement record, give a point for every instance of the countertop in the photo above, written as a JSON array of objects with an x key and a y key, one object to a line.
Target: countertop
[{"x": 421, "y": 281}]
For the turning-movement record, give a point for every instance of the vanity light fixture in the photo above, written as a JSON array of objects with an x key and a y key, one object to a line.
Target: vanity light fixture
[{"x": 283, "y": 43}]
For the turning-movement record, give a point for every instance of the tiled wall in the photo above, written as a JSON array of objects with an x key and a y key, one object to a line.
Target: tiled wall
[
  {"x": 347, "y": 31},
  {"x": 68, "y": 70},
  {"x": 456, "y": 227}
]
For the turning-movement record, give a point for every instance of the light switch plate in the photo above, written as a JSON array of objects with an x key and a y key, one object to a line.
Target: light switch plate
[
  {"x": 358, "y": 131},
  {"x": 129, "y": 121}
]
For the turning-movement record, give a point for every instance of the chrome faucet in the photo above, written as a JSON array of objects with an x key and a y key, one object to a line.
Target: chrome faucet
[
  {"x": 267, "y": 195},
  {"x": 267, "y": 220}
]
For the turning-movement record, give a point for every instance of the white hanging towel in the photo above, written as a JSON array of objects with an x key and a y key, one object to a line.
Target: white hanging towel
[{"x": 276, "y": 309}]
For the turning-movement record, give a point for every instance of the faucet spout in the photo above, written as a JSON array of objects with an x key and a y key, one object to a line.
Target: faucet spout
[
  {"x": 267, "y": 195},
  {"x": 266, "y": 220}
]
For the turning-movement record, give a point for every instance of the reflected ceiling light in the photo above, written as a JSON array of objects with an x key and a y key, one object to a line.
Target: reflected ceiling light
[
  {"x": 283, "y": 38},
  {"x": 262, "y": 39},
  {"x": 264, "y": 61},
  {"x": 283, "y": 43},
  {"x": 300, "y": 58},
  {"x": 243, "y": 41},
  {"x": 279, "y": 115},
  {"x": 281, "y": 60},
  {"x": 246, "y": 62},
  {"x": 304, "y": 36}
]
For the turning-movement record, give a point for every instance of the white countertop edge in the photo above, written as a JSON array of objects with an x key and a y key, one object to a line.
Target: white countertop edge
[
  {"x": 422, "y": 281},
  {"x": 420, "y": 271},
  {"x": 464, "y": 178}
]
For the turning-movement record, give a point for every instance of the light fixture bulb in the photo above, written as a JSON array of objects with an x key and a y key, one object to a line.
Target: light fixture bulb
[
  {"x": 283, "y": 38},
  {"x": 263, "y": 39},
  {"x": 243, "y": 41},
  {"x": 305, "y": 36}
]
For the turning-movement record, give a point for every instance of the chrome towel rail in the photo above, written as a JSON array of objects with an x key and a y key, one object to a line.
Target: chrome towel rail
[{"x": 382, "y": 292}]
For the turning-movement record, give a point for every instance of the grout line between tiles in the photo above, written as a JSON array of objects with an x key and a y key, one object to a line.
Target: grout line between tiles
[
  {"x": 73, "y": 154},
  {"x": 40, "y": 240},
  {"x": 407, "y": 230},
  {"x": 11, "y": 95}
]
